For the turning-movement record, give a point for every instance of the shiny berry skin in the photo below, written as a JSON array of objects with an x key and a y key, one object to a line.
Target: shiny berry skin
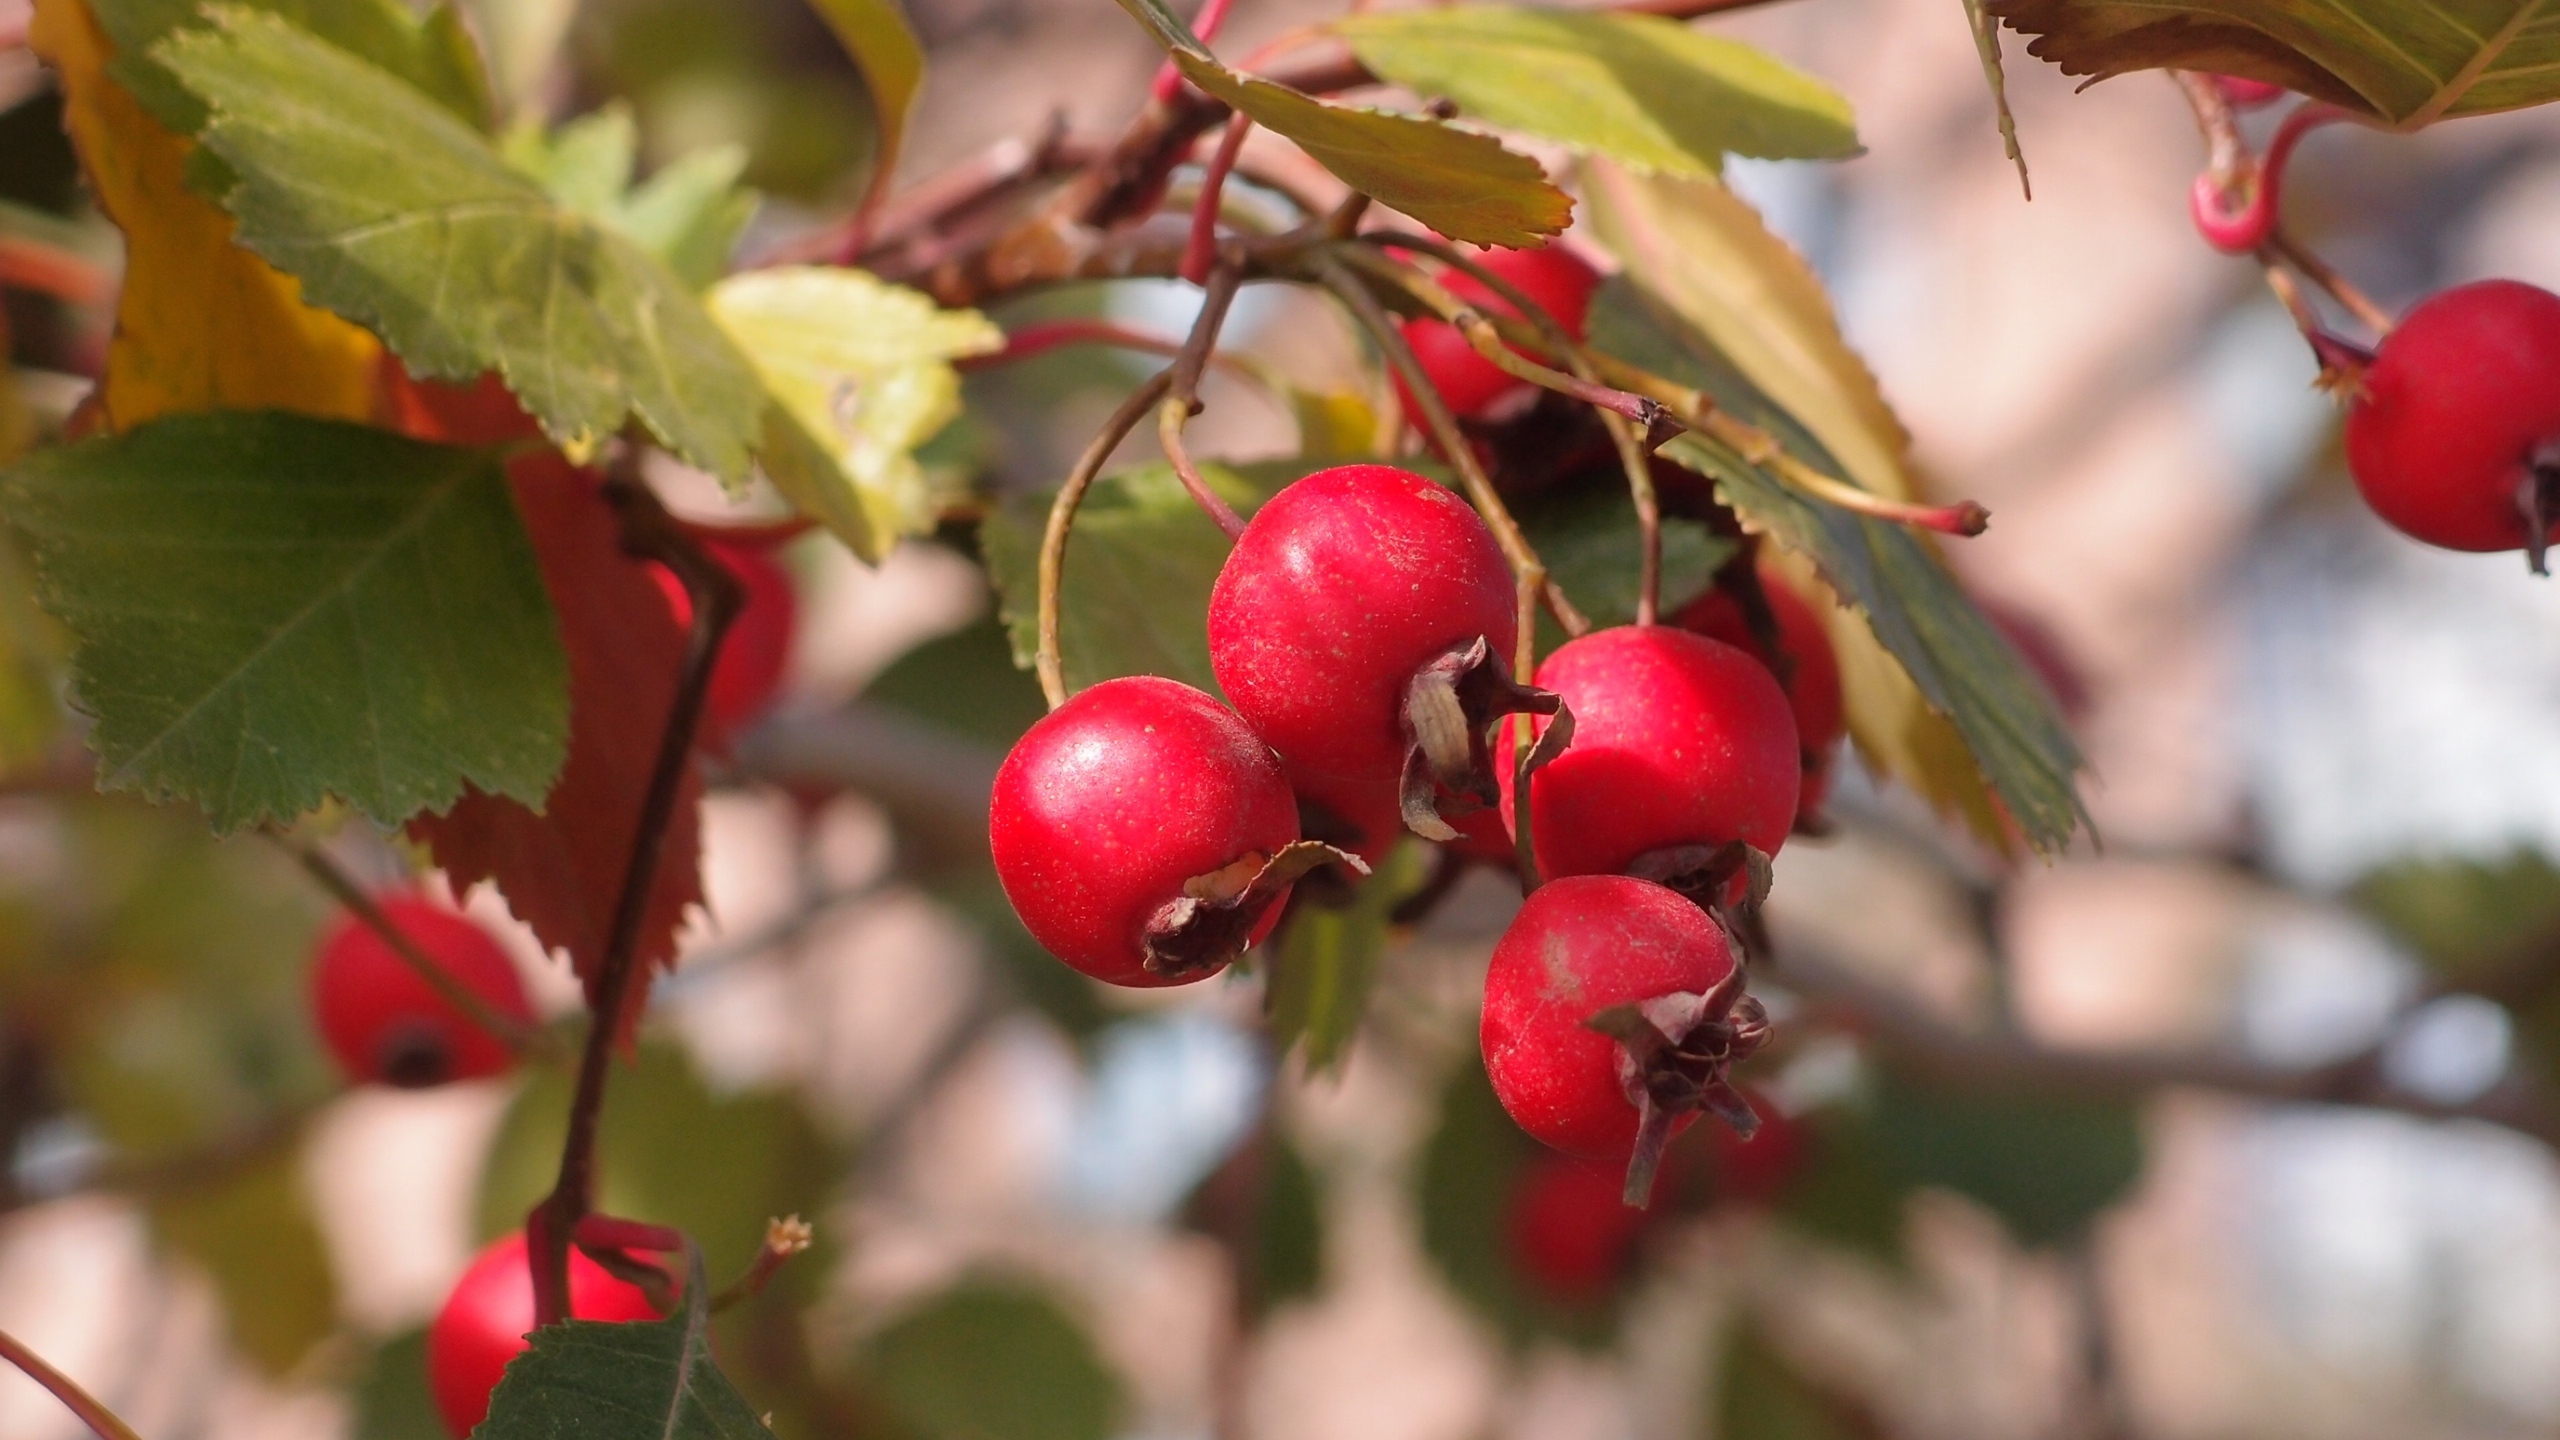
[
  {"x": 1678, "y": 740},
  {"x": 1812, "y": 671},
  {"x": 756, "y": 652},
  {"x": 489, "y": 1312},
  {"x": 1475, "y": 388},
  {"x": 1579, "y": 946},
  {"x": 1344, "y": 585},
  {"x": 2449, "y": 420},
  {"x": 1108, "y": 806},
  {"x": 1568, "y": 1232},
  {"x": 382, "y": 1020}
]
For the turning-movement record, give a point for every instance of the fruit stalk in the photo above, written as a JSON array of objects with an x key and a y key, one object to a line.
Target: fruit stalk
[
  {"x": 648, "y": 532},
  {"x": 1337, "y": 277},
  {"x": 1202, "y": 251},
  {"x": 102, "y": 1422},
  {"x": 1062, "y": 518},
  {"x": 1183, "y": 400}
]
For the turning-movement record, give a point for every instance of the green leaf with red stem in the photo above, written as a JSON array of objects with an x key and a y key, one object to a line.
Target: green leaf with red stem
[{"x": 1460, "y": 183}]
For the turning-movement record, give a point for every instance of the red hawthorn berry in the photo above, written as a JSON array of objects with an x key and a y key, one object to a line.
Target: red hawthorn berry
[
  {"x": 1569, "y": 1232},
  {"x": 1473, "y": 387},
  {"x": 1805, "y": 662},
  {"x": 1590, "y": 967},
  {"x": 1345, "y": 590},
  {"x": 487, "y": 1316},
  {"x": 2454, "y": 431},
  {"x": 1680, "y": 743},
  {"x": 756, "y": 652},
  {"x": 1140, "y": 831},
  {"x": 382, "y": 1020}
]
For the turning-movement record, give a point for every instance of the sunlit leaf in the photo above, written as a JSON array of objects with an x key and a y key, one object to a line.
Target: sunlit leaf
[
  {"x": 1648, "y": 92},
  {"x": 2405, "y": 62},
  {"x": 993, "y": 1361},
  {"x": 270, "y": 610},
  {"x": 523, "y": 38},
  {"x": 860, "y": 375},
  {"x": 689, "y": 214},
  {"x": 200, "y": 323},
  {"x": 1462, "y": 184},
  {"x": 396, "y": 214},
  {"x": 431, "y": 51}
]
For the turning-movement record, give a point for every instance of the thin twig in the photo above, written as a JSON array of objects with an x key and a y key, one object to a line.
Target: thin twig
[
  {"x": 1182, "y": 399},
  {"x": 1364, "y": 307},
  {"x": 649, "y": 532},
  {"x": 1062, "y": 518},
  {"x": 2368, "y": 314},
  {"x": 1202, "y": 252},
  {"x": 30, "y": 264},
  {"x": 520, "y": 1038},
  {"x": 102, "y": 1422}
]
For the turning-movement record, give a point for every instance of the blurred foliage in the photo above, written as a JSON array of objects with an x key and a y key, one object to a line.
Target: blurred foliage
[
  {"x": 1065, "y": 996},
  {"x": 1471, "y": 1168},
  {"x": 671, "y": 1152},
  {"x": 965, "y": 682},
  {"x": 993, "y": 1360},
  {"x": 1761, "y": 1397},
  {"x": 765, "y": 77},
  {"x": 1325, "y": 963},
  {"x": 253, "y": 1231},
  {"x": 392, "y": 1401},
  {"x": 1266, "y": 1203},
  {"x": 2461, "y": 916}
]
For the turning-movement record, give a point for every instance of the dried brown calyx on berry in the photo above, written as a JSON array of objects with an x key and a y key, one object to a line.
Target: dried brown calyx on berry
[
  {"x": 1450, "y": 707},
  {"x": 1676, "y": 1055},
  {"x": 1205, "y": 928}
]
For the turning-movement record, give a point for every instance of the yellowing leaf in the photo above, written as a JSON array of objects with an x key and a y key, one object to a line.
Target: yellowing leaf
[
  {"x": 860, "y": 374},
  {"x": 1643, "y": 90},
  {"x": 201, "y": 324},
  {"x": 875, "y": 33},
  {"x": 1462, "y": 184},
  {"x": 1703, "y": 249},
  {"x": 2404, "y": 62}
]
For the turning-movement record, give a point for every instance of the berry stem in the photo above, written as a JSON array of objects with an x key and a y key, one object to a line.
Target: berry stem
[
  {"x": 2321, "y": 273},
  {"x": 521, "y": 1040},
  {"x": 1183, "y": 400},
  {"x": 1062, "y": 519},
  {"x": 29, "y": 264},
  {"x": 783, "y": 1239},
  {"x": 1965, "y": 517},
  {"x": 648, "y": 532},
  {"x": 102, "y": 1422},
  {"x": 1372, "y": 317},
  {"x": 1524, "y": 741},
  {"x": 1202, "y": 251}
]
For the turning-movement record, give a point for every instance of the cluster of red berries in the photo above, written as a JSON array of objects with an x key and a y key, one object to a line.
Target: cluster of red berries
[{"x": 1362, "y": 629}]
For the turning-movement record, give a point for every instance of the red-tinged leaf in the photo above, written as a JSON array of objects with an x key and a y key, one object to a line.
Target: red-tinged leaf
[{"x": 561, "y": 870}]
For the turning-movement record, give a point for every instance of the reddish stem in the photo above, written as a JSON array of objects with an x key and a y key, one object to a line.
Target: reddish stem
[
  {"x": 101, "y": 1421},
  {"x": 1202, "y": 251},
  {"x": 33, "y": 265},
  {"x": 2243, "y": 231},
  {"x": 611, "y": 1232},
  {"x": 1211, "y": 19},
  {"x": 1034, "y": 340}
]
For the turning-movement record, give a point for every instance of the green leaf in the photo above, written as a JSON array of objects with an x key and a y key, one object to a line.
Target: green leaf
[
  {"x": 30, "y": 660},
  {"x": 688, "y": 215},
  {"x": 860, "y": 375},
  {"x": 2465, "y": 916},
  {"x": 1470, "y": 1168},
  {"x": 432, "y": 52},
  {"x": 1938, "y": 644},
  {"x": 2045, "y": 1164},
  {"x": 1327, "y": 963},
  {"x": 270, "y": 610},
  {"x": 1462, "y": 184},
  {"x": 1648, "y": 92},
  {"x": 965, "y": 682},
  {"x": 252, "y": 1230},
  {"x": 993, "y": 1361},
  {"x": 884, "y": 48},
  {"x": 1963, "y": 668},
  {"x": 2404, "y": 62},
  {"x": 1134, "y": 596},
  {"x": 395, "y": 214},
  {"x": 636, "y": 1380},
  {"x": 1594, "y": 549},
  {"x": 670, "y": 1152},
  {"x": 393, "y": 1401}
]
